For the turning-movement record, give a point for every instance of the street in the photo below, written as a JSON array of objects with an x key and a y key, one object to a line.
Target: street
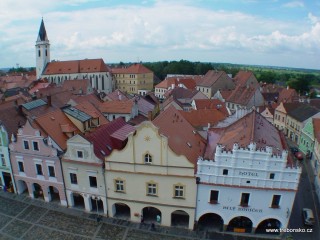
[{"x": 305, "y": 198}]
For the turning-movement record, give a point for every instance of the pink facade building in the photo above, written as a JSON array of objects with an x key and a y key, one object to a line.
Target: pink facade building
[{"x": 36, "y": 166}]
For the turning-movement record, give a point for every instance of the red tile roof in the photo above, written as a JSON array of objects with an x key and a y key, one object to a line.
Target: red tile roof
[
  {"x": 211, "y": 104},
  {"x": 210, "y": 78},
  {"x": 76, "y": 66},
  {"x": 253, "y": 127},
  {"x": 10, "y": 116},
  {"x": 56, "y": 124},
  {"x": 203, "y": 117},
  {"x": 136, "y": 68},
  {"x": 182, "y": 137},
  {"x": 243, "y": 77},
  {"x": 287, "y": 95},
  {"x": 109, "y": 136},
  {"x": 188, "y": 82},
  {"x": 77, "y": 86},
  {"x": 117, "y": 95},
  {"x": 121, "y": 107}
]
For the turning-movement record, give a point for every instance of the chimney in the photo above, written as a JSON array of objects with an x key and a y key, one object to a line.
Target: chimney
[
  {"x": 172, "y": 86},
  {"x": 288, "y": 87},
  {"x": 150, "y": 115},
  {"x": 49, "y": 101}
]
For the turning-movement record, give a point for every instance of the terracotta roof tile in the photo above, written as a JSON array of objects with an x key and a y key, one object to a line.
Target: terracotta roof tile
[
  {"x": 124, "y": 107},
  {"x": 92, "y": 111},
  {"x": 56, "y": 124},
  {"x": 117, "y": 95},
  {"x": 136, "y": 68},
  {"x": 211, "y": 104},
  {"x": 109, "y": 136},
  {"x": 182, "y": 137},
  {"x": 188, "y": 82},
  {"x": 78, "y": 86},
  {"x": 10, "y": 116},
  {"x": 287, "y": 95},
  {"x": 210, "y": 78},
  {"x": 253, "y": 127},
  {"x": 203, "y": 117},
  {"x": 76, "y": 66}
]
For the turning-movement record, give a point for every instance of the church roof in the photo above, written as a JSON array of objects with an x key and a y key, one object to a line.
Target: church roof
[{"x": 42, "y": 33}]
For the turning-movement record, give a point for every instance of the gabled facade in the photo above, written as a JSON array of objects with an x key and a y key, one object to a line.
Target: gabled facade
[
  {"x": 114, "y": 109},
  {"x": 36, "y": 166},
  {"x": 214, "y": 81},
  {"x": 247, "y": 181},
  {"x": 84, "y": 176},
  {"x": 152, "y": 177},
  {"x": 306, "y": 143}
]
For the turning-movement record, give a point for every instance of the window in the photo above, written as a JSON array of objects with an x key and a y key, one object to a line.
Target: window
[
  {"x": 51, "y": 171},
  {"x": 179, "y": 191},
  {"x": 73, "y": 178},
  {"x": 20, "y": 166},
  {"x": 152, "y": 189},
  {"x": 271, "y": 176},
  {"x": 35, "y": 146},
  {"x": 225, "y": 172},
  {"x": 93, "y": 182},
  {"x": 275, "y": 201},
  {"x": 26, "y": 144},
  {"x": 39, "y": 169},
  {"x": 119, "y": 185},
  {"x": 3, "y": 161},
  {"x": 147, "y": 158},
  {"x": 245, "y": 199},
  {"x": 214, "y": 195},
  {"x": 39, "y": 53},
  {"x": 79, "y": 154}
]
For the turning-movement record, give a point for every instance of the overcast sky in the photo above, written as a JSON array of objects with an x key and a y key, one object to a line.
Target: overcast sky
[{"x": 263, "y": 32}]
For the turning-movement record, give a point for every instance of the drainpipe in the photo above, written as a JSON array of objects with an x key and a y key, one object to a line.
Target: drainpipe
[
  {"x": 64, "y": 185},
  {"x": 105, "y": 183}
]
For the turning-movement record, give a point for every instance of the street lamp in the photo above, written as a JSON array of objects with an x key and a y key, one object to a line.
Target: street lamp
[{"x": 97, "y": 199}]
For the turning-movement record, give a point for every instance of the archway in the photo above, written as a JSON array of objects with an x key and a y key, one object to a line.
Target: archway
[
  {"x": 53, "y": 194},
  {"x": 122, "y": 211},
  {"x": 78, "y": 201},
  {"x": 22, "y": 187},
  {"x": 270, "y": 223},
  {"x": 151, "y": 215},
  {"x": 97, "y": 205},
  {"x": 240, "y": 224},
  {"x": 210, "y": 221},
  {"x": 180, "y": 218},
  {"x": 37, "y": 191}
]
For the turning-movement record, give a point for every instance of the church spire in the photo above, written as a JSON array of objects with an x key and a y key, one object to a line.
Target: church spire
[{"x": 42, "y": 32}]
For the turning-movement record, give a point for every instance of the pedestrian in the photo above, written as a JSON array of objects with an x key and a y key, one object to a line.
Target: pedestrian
[{"x": 153, "y": 227}]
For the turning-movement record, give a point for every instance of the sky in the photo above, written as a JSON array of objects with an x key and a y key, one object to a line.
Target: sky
[{"x": 282, "y": 33}]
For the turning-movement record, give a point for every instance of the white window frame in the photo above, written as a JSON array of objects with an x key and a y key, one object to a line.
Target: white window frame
[
  {"x": 153, "y": 187},
  {"x": 37, "y": 145},
  {"x": 179, "y": 188},
  {"x": 23, "y": 144}
]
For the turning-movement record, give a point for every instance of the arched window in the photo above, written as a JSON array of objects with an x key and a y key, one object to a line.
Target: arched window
[{"x": 148, "y": 158}]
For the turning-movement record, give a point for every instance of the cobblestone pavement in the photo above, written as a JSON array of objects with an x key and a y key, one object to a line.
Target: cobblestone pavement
[{"x": 30, "y": 219}]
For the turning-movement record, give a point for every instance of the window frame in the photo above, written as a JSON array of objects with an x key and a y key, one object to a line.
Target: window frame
[
  {"x": 3, "y": 160},
  {"x": 275, "y": 203},
  {"x": 49, "y": 172},
  {"x": 95, "y": 185},
  {"x": 119, "y": 183},
  {"x": 147, "y": 158},
  {"x": 225, "y": 172},
  {"x": 211, "y": 200},
  {"x": 152, "y": 186},
  {"x": 73, "y": 178},
  {"x": 82, "y": 154},
  {"x": 245, "y": 199},
  {"x": 37, "y": 146},
  {"x": 181, "y": 190},
  {"x": 20, "y": 166},
  {"x": 26, "y": 145},
  {"x": 39, "y": 171}
]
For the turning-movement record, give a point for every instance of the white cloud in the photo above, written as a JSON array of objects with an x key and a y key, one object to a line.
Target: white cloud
[
  {"x": 294, "y": 4},
  {"x": 165, "y": 30}
]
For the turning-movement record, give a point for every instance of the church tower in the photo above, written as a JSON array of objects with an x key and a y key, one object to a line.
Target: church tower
[{"x": 42, "y": 50}]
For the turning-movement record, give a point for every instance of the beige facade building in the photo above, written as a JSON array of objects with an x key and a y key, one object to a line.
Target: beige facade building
[
  {"x": 136, "y": 79},
  {"x": 152, "y": 178}
]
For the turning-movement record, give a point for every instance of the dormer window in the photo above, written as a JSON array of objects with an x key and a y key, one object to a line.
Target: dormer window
[
  {"x": 80, "y": 154},
  {"x": 147, "y": 158}
]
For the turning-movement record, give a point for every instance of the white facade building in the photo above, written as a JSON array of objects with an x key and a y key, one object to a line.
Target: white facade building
[{"x": 247, "y": 185}]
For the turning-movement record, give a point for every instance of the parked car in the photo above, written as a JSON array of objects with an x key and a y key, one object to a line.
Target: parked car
[
  {"x": 308, "y": 217},
  {"x": 299, "y": 156}
]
